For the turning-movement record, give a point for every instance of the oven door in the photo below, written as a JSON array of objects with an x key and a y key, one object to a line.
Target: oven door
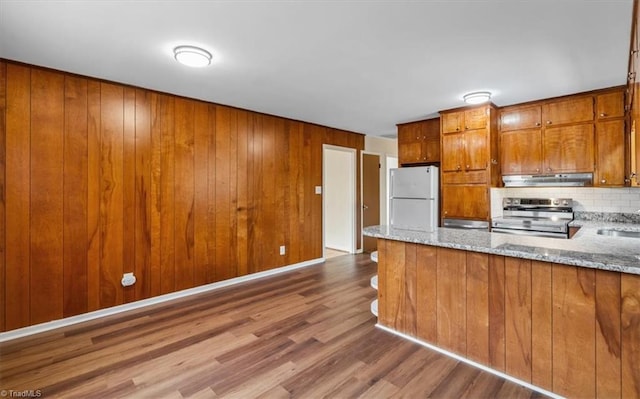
[{"x": 530, "y": 233}]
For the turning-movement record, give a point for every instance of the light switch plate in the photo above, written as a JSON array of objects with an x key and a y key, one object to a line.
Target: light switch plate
[{"x": 318, "y": 189}]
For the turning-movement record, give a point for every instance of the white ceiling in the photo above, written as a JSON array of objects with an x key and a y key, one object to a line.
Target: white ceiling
[{"x": 356, "y": 65}]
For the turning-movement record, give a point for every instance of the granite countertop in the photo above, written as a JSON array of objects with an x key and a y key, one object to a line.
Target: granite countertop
[{"x": 586, "y": 248}]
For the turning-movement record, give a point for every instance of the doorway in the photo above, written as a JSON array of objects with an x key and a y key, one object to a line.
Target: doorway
[
  {"x": 370, "y": 197},
  {"x": 339, "y": 199}
]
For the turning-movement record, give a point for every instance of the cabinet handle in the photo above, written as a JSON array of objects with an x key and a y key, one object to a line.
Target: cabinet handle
[
  {"x": 548, "y": 169},
  {"x": 458, "y": 129},
  {"x": 538, "y": 123},
  {"x": 548, "y": 122},
  {"x": 537, "y": 170},
  {"x": 603, "y": 181},
  {"x": 458, "y": 167},
  {"x": 602, "y": 115},
  {"x": 467, "y": 167}
]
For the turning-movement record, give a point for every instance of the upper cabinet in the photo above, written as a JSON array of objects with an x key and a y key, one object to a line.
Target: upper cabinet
[
  {"x": 419, "y": 142},
  {"x": 566, "y": 135}
]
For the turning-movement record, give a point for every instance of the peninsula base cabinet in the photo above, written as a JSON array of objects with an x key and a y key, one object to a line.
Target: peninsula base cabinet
[{"x": 570, "y": 330}]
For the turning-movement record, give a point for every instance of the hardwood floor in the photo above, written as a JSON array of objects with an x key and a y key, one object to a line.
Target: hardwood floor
[{"x": 303, "y": 334}]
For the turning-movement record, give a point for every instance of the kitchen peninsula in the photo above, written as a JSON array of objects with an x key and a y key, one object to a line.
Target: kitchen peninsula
[{"x": 561, "y": 315}]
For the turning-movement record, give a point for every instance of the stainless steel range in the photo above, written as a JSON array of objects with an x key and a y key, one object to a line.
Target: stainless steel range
[{"x": 542, "y": 217}]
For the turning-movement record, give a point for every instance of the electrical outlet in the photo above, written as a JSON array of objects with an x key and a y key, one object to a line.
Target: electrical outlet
[
  {"x": 283, "y": 250},
  {"x": 318, "y": 189},
  {"x": 128, "y": 279}
]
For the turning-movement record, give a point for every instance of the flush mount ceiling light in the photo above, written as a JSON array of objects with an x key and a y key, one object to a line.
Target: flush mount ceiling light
[
  {"x": 192, "y": 56},
  {"x": 477, "y": 97}
]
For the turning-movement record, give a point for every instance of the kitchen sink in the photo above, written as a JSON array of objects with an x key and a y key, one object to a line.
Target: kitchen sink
[{"x": 619, "y": 233}]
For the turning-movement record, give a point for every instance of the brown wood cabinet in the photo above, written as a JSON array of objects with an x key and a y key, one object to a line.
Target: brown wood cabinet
[
  {"x": 469, "y": 166},
  {"x": 570, "y": 330},
  {"x": 562, "y": 136},
  {"x": 568, "y": 149},
  {"x": 419, "y": 142},
  {"x": 465, "y": 201}
]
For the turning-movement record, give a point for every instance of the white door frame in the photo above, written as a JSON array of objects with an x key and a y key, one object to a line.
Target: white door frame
[{"x": 351, "y": 218}]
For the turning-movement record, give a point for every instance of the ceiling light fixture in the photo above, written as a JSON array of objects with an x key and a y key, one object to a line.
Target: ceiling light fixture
[
  {"x": 192, "y": 56},
  {"x": 477, "y": 97}
]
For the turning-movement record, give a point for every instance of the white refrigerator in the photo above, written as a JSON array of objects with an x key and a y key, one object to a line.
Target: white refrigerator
[{"x": 413, "y": 202}]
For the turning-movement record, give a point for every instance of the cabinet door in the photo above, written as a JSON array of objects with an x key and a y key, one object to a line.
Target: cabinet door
[
  {"x": 452, "y": 122},
  {"x": 452, "y": 152},
  {"x": 431, "y": 150},
  {"x": 568, "y": 149},
  {"x": 521, "y": 152},
  {"x": 476, "y": 149},
  {"x": 465, "y": 201},
  {"x": 409, "y": 143},
  {"x": 521, "y": 118},
  {"x": 409, "y": 153},
  {"x": 573, "y": 110},
  {"x": 610, "y": 153},
  {"x": 610, "y": 105},
  {"x": 475, "y": 118}
]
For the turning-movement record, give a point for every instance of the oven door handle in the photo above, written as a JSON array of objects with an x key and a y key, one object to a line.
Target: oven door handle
[{"x": 529, "y": 233}]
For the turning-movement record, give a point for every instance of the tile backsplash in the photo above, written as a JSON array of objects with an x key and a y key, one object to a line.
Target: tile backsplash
[{"x": 585, "y": 199}]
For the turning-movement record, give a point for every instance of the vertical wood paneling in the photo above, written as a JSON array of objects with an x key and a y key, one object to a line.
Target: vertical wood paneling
[
  {"x": 242, "y": 206},
  {"x": 212, "y": 239},
  {"x": 630, "y": 288},
  {"x": 167, "y": 194},
  {"x": 47, "y": 138},
  {"x": 93, "y": 194},
  {"x": 111, "y": 194},
  {"x": 541, "y": 325},
  {"x": 75, "y": 197},
  {"x": 383, "y": 317},
  {"x": 203, "y": 133},
  {"x": 143, "y": 193},
  {"x": 129, "y": 189},
  {"x": 114, "y": 179},
  {"x": 281, "y": 187},
  {"x": 317, "y": 136},
  {"x": 223, "y": 198},
  {"x": 517, "y": 283},
  {"x": 426, "y": 275},
  {"x": 496, "y": 313},
  {"x": 478, "y": 307},
  {"x": 184, "y": 193},
  {"x": 409, "y": 319},
  {"x": 18, "y": 142},
  {"x": 574, "y": 331},
  {"x": 158, "y": 109},
  {"x": 452, "y": 298},
  {"x": 394, "y": 277},
  {"x": 296, "y": 191},
  {"x": 3, "y": 149},
  {"x": 608, "y": 348}
]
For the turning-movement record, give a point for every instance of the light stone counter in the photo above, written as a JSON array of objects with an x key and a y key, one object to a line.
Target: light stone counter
[{"x": 586, "y": 248}]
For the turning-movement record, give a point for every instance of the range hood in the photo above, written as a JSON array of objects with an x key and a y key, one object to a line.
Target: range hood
[{"x": 557, "y": 180}]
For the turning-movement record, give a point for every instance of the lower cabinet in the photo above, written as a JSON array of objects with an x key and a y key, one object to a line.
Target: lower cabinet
[
  {"x": 469, "y": 201},
  {"x": 570, "y": 330}
]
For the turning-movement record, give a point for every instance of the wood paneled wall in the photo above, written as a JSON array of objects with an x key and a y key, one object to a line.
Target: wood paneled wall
[
  {"x": 99, "y": 179},
  {"x": 571, "y": 330}
]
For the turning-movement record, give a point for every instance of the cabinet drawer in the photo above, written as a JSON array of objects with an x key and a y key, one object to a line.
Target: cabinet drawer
[
  {"x": 573, "y": 110},
  {"x": 473, "y": 177},
  {"x": 521, "y": 118}
]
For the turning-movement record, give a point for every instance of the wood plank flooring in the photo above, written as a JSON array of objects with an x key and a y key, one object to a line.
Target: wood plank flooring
[{"x": 303, "y": 334}]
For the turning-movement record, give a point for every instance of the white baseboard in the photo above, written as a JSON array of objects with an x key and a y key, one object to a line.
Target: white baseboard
[
  {"x": 50, "y": 325},
  {"x": 471, "y": 362}
]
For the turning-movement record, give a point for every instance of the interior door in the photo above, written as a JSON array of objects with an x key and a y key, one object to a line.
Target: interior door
[{"x": 370, "y": 197}]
